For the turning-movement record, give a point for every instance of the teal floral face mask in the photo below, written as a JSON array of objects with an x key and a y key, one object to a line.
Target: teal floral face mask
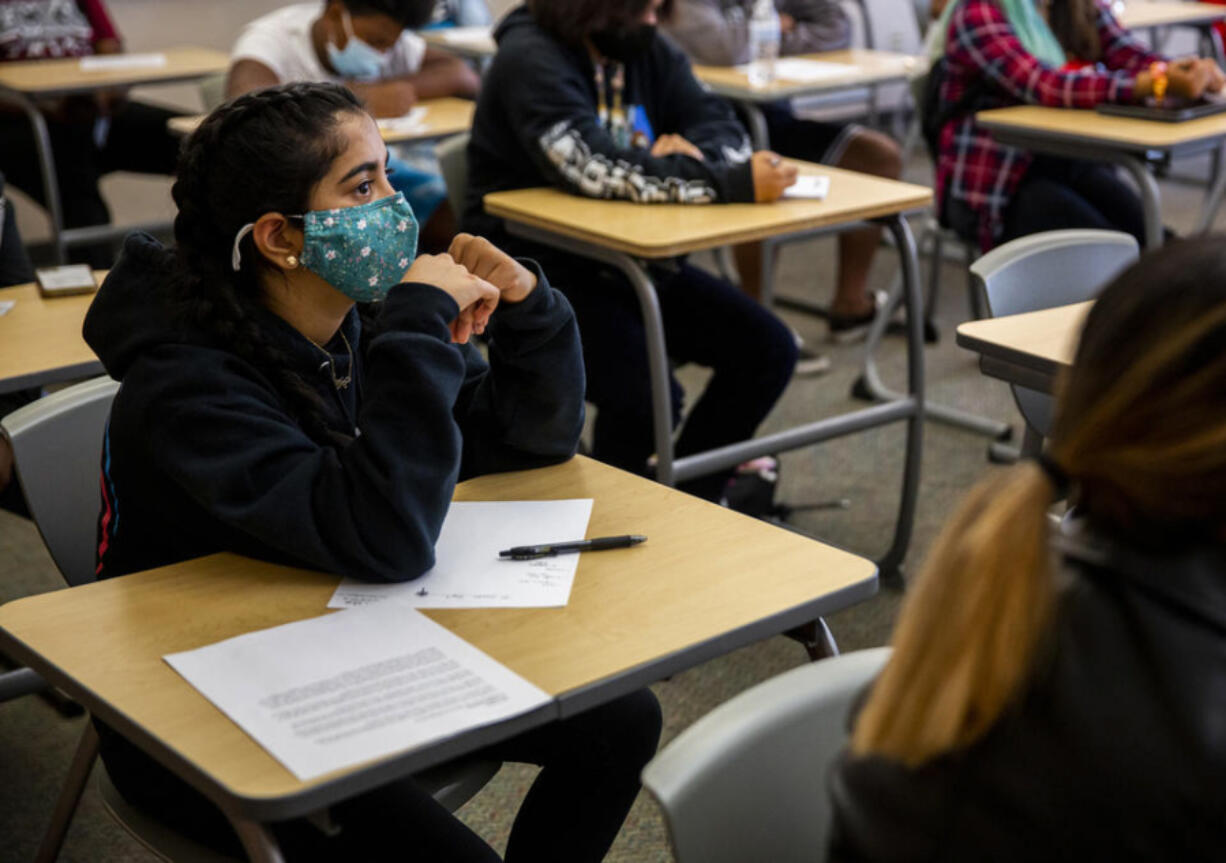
[{"x": 361, "y": 251}]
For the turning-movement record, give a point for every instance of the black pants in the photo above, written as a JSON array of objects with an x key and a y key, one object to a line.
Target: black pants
[
  {"x": 571, "y": 814},
  {"x": 1070, "y": 193},
  {"x": 706, "y": 321},
  {"x": 138, "y": 141}
]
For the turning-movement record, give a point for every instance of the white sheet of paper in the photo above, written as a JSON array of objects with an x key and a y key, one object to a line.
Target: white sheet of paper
[
  {"x": 110, "y": 62},
  {"x": 467, "y": 35},
  {"x": 69, "y": 276},
  {"x": 808, "y": 71},
  {"x": 338, "y": 690},
  {"x": 414, "y": 121},
  {"x": 5, "y": 305},
  {"x": 468, "y": 572},
  {"x": 810, "y": 186}
]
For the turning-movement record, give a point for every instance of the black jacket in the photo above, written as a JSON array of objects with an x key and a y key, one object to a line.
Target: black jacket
[
  {"x": 1117, "y": 751},
  {"x": 201, "y": 454},
  {"x": 537, "y": 125}
]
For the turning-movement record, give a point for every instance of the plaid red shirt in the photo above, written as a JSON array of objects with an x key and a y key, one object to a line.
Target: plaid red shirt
[{"x": 971, "y": 166}]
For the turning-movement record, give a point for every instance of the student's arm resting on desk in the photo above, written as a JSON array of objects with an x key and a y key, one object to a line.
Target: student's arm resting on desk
[
  {"x": 524, "y": 409},
  {"x": 981, "y": 39},
  {"x": 717, "y": 36},
  {"x": 821, "y": 25},
  {"x": 547, "y": 99},
  {"x": 703, "y": 119},
  {"x": 246, "y": 75},
  {"x": 372, "y": 508}
]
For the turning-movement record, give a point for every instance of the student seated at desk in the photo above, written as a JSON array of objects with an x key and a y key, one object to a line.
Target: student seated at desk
[
  {"x": 92, "y": 134},
  {"x": 716, "y": 32},
  {"x": 1066, "y": 54},
  {"x": 1056, "y": 695},
  {"x": 298, "y": 386},
  {"x": 587, "y": 97},
  {"x": 370, "y": 47}
]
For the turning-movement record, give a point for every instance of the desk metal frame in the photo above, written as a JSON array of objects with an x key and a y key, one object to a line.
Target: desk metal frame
[{"x": 908, "y": 407}]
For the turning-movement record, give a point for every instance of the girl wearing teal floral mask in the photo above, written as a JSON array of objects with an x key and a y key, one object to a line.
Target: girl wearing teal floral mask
[{"x": 297, "y": 385}]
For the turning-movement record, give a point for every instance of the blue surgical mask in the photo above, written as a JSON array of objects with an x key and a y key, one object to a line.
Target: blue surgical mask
[
  {"x": 358, "y": 59},
  {"x": 361, "y": 251}
]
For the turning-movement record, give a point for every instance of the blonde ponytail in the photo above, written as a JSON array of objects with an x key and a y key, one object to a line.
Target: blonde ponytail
[{"x": 969, "y": 629}]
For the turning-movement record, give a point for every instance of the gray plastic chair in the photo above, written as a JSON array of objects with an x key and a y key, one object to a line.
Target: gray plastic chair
[
  {"x": 452, "y": 154},
  {"x": 748, "y": 780},
  {"x": 1054, "y": 268},
  {"x": 57, "y": 449}
]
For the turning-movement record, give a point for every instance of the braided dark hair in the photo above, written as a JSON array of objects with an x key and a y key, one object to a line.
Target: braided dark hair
[{"x": 264, "y": 152}]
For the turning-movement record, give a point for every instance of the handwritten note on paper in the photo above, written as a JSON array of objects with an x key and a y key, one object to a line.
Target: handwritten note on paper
[
  {"x": 338, "y": 690},
  {"x": 811, "y": 186},
  {"x": 117, "y": 62},
  {"x": 468, "y": 572}
]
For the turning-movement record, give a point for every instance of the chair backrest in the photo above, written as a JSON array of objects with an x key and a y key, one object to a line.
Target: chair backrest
[
  {"x": 452, "y": 154},
  {"x": 213, "y": 90},
  {"x": 57, "y": 448},
  {"x": 1053, "y": 268},
  {"x": 748, "y": 780}
]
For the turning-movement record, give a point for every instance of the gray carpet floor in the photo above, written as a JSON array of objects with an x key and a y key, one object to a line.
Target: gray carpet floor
[{"x": 36, "y": 744}]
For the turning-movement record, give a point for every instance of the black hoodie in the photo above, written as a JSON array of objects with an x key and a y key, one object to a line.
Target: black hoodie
[
  {"x": 537, "y": 124},
  {"x": 201, "y": 454}
]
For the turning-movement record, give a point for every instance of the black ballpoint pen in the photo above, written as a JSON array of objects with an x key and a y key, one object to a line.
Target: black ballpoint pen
[{"x": 531, "y": 552}]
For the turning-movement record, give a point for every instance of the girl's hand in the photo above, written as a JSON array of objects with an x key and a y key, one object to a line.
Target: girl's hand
[
  {"x": 668, "y": 145},
  {"x": 486, "y": 261},
  {"x": 476, "y": 297},
  {"x": 771, "y": 175},
  {"x": 1190, "y": 77}
]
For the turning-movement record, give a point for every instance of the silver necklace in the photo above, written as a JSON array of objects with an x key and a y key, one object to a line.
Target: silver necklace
[{"x": 339, "y": 383}]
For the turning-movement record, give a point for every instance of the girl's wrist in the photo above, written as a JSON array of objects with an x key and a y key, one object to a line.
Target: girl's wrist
[{"x": 1142, "y": 86}]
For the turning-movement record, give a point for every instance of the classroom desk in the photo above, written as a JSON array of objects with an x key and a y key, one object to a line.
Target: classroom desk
[
  {"x": 1153, "y": 15},
  {"x": 708, "y": 581},
  {"x": 24, "y": 84},
  {"x": 624, "y": 235},
  {"x": 1031, "y": 349},
  {"x": 1133, "y": 144},
  {"x": 864, "y": 68},
  {"x": 444, "y": 117},
  {"x": 40, "y": 340},
  {"x": 475, "y": 43}
]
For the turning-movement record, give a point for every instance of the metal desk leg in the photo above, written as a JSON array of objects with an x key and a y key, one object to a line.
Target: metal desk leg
[
  {"x": 912, "y": 296},
  {"x": 257, "y": 841},
  {"x": 46, "y": 164},
  {"x": 70, "y": 795},
  {"x": 1151, "y": 198},
  {"x": 1213, "y": 196}
]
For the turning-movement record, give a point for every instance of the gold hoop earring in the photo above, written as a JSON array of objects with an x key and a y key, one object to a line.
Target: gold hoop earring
[{"x": 292, "y": 262}]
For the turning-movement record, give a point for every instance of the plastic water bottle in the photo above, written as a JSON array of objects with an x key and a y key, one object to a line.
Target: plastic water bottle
[{"x": 764, "y": 35}]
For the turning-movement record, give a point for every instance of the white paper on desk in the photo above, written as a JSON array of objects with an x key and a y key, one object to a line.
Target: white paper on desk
[
  {"x": 810, "y": 186},
  {"x": 5, "y": 306},
  {"x": 805, "y": 71},
  {"x": 467, "y": 35},
  {"x": 414, "y": 121},
  {"x": 110, "y": 62},
  {"x": 468, "y": 572},
  {"x": 338, "y": 690}
]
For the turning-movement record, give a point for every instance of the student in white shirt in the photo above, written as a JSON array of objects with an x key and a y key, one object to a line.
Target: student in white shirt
[{"x": 369, "y": 46}]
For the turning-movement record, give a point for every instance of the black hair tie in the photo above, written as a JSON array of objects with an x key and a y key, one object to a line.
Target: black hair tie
[{"x": 1055, "y": 474}]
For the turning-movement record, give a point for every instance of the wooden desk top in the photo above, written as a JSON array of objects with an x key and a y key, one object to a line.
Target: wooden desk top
[
  {"x": 474, "y": 42},
  {"x": 863, "y": 67},
  {"x": 1045, "y": 340},
  {"x": 40, "y": 340},
  {"x": 704, "y": 573},
  {"x": 1139, "y": 14},
  {"x": 57, "y": 77},
  {"x": 668, "y": 230},
  {"x": 444, "y": 117},
  {"x": 1090, "y": 127}
]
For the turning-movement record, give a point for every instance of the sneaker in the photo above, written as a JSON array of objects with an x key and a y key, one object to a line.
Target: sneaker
[
  {"x": 751, "y": 490},
  {"x": 808, "y": 363},
  {"x": 845, "y": 330}
]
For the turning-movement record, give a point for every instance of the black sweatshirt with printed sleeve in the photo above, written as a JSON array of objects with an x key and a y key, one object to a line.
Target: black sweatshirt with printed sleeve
[
  {"x": 201, "y": 453},
  {"x": 538, "y": 123}
]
